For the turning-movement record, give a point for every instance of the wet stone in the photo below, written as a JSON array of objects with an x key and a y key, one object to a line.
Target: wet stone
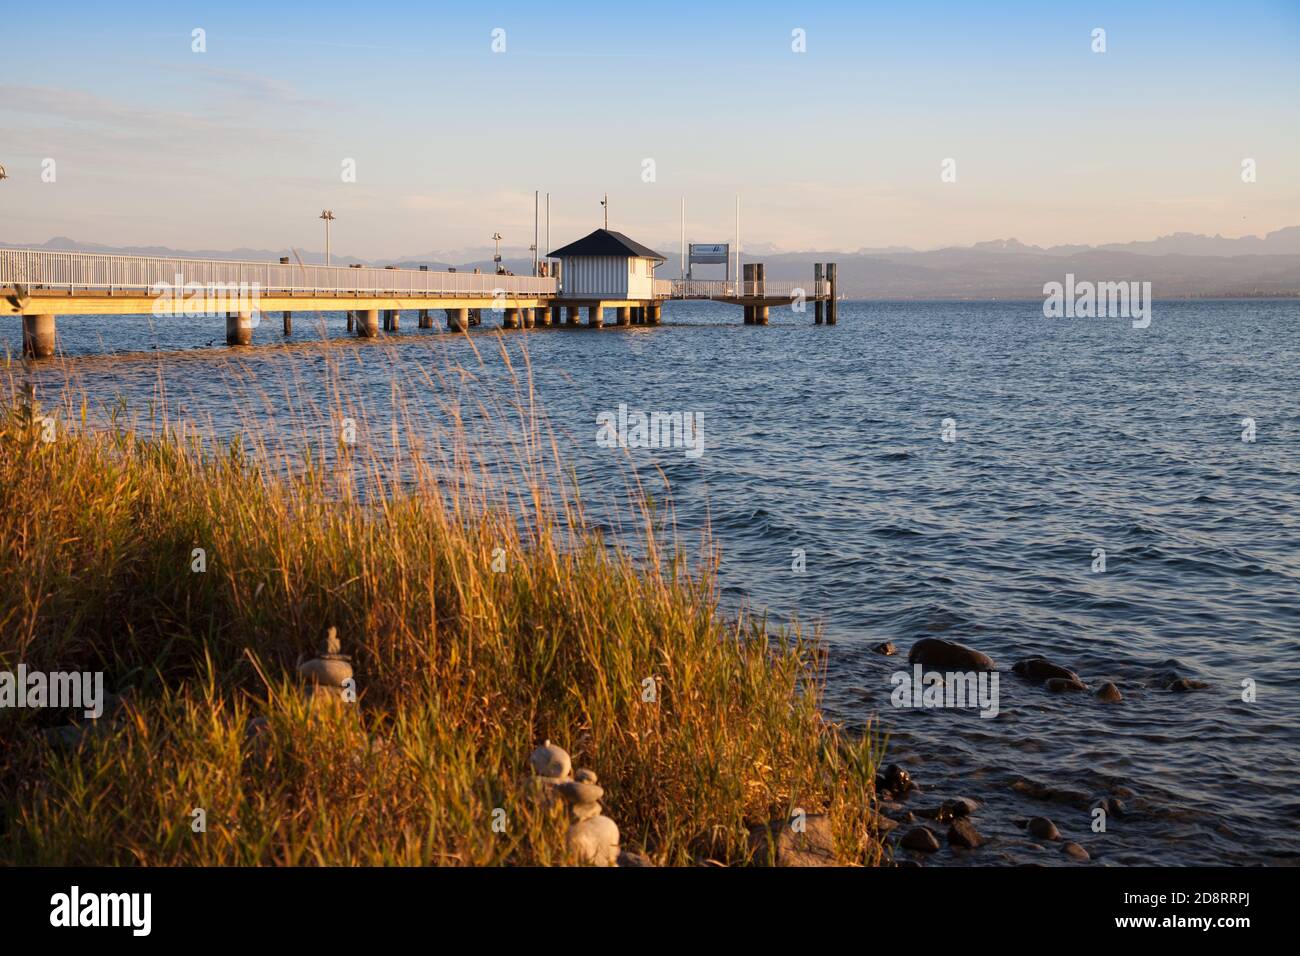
[
  {"x": 1041, "y": 669},
  {"x": 946, "y": 655},
  {"x": 921, "y": 839},
  {"x": 1058, "y": 684},
  {"x": 1074, "y": 851},
  {"x": 1043, "y": 829},
  {"x": 961, "y": 806},
  {"x": 963, "y": 833},
  {"x": 1108, "y": 693}
]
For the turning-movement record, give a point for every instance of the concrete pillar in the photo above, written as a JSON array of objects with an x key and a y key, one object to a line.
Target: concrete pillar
[
  {"x": 288, "y": 323},
  {"x": 832, "y": 308},
  {"x": 392, "y": 320},
  {"x": 544, "y": 316},
  {"x": 239, "y": 328},
  {"x": 656, "y": 314},
  {"x": 760, "y": 315},
  {"x": 574, "y": 314},
  {"x": 818, "y": 304},
  {"x": 351, "y": 320},
  {"x": 368, "y": 323},
  {"x": 38, "y": 336},
  {"x": 624, "y": 315},
  {"x": 511, "y": 319},
  {"x": 458, "y": 320},
  {"x": 529, "y": 320},
  {"x": 595, "y": 316},
  {"x": 638, "y": 315},
  {"x": 425, "y": 321}
]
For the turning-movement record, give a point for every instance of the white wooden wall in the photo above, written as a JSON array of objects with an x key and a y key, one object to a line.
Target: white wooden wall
[{"x": 595, "y": 276}]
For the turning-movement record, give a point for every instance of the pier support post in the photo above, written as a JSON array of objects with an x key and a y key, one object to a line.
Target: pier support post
[
  {"x": 458, "y": 320},
  {"x": 595, "y": 316},
  {"x": 746, "y": 289},
  {"x": 760, "y": 315},
  {"x": 832, "y": 306},
  {"x": 624, "y": 315},
  {"x": 511, "y": 319},
  {"x": 818, "y": 303},
  {"x": 656, "y": 313},
  {"x": 351, "y": 320},
  {"x": 38, "y": 336},
  {"x": 239, "y": 328},
  {"x": 544, "y": 316},
  {"x": 367, "y": 323},
  {"x": 573, "y": 315},
  {"x": 425, "y": 321},
  {"x": 394, "y": 320},
  {"x": 529, "y": 319},
  {"x": 288, "y": 323}
]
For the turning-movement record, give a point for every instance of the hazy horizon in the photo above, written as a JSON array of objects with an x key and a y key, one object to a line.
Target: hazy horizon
[{"x": 839, "y": 147}]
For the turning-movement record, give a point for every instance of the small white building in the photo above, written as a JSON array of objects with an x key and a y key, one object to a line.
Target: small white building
[{"x": 607, "y": 265}]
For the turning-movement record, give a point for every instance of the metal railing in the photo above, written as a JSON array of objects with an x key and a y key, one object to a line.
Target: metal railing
[
  {"x": 731, "y": 289},
  {"x": 73, "y": 271}
]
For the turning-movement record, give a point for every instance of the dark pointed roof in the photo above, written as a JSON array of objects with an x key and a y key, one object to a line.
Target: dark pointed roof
[{"x": 606, "y": 242}]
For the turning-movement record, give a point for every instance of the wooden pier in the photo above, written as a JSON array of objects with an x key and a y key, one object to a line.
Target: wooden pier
[{"x": 38, "y": 286}]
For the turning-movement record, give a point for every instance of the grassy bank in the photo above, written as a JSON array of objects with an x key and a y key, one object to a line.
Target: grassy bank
[{"x": 461, "y": 668}]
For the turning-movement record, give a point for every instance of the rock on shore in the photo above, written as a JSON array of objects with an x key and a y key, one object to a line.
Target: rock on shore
[
  {"x": 945, "y": 655},
  {"x": 921, "y": 839},
  {"x": 1041, "y": 669},
  {"x": 1108, "y": 693}
]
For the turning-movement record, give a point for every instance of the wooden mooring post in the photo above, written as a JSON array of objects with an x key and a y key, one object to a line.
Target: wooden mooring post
[
  {"x": 746, "y": 288},
  {"x": 819, "y": 306},
  {"x": 832, "y": 307}
]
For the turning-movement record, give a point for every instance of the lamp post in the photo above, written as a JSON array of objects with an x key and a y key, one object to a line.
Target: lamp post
[
  {"x": 328, "y": 216},
  {"x": 496, "y": 237}
]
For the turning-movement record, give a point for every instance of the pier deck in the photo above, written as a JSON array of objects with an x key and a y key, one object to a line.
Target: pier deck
[{"x": 39, "y": 285}]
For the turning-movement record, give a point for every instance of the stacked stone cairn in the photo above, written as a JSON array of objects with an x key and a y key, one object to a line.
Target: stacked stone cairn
[
  {"x": 592, "y": 836},
  {"x": 327, "y": 673}
]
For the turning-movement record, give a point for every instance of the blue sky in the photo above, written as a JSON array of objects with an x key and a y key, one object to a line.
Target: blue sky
[{"x": 840, "y": 147}]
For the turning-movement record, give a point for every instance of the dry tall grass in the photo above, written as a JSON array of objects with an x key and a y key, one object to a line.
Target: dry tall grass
[{"x": 461, "y": 669}]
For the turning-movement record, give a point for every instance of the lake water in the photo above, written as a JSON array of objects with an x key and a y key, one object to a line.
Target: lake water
[{"x": 1070, "y": 436}]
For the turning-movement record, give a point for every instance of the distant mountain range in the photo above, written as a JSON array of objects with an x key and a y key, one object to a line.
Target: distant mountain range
[{"x": 1177, "y": 266}]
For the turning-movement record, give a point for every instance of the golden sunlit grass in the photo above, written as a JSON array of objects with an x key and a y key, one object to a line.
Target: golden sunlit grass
[{"x": 461, "y": 670}]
